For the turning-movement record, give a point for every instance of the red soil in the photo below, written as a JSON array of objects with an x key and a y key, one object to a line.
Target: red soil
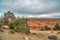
[{"x": 37, "y": 24}]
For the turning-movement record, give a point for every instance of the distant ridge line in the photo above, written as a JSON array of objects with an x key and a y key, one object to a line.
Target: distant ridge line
[{"x": 37, "y": 19}]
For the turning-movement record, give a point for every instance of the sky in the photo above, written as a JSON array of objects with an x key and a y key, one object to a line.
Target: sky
[{"x": 31, "y": 8}]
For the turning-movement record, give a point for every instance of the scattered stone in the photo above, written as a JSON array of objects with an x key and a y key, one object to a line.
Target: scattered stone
[
  {"x": 26, "y": 38},
  {"x": 34, "y": 34},
  {"x": 5, "y": 27}
]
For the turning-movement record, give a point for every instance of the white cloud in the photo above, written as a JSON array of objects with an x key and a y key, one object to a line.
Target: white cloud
[{"x": 51, "y": 15}]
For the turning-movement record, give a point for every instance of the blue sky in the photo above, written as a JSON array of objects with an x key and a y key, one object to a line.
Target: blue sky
[{"x": 31, "y": 8}]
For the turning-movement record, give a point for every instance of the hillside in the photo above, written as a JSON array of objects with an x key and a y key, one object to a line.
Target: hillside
[{"x": 39, "y": 23}]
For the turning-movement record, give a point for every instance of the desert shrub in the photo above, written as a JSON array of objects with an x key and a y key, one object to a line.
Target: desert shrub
[
  {"x": 57, "y": 27},
  {"x": 34, "y": 34},
  {"x": 47, "y": 28},
  {"x": 1, "y": 26},
  {"x": 58, "y": 32},
  {"x": 21, "y": 25},
  {"x": 1, "y": 30},
  {"x": 17, "y": 28},
  {"x": 6, "y": 17},
  {"x": 52, "y": 37},
  {"x": 11, "y": 31},
  {"x": 21, "y": 29}
]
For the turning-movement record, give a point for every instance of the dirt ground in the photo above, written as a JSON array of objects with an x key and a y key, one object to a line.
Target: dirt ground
[{"x": 40, "y": 35}]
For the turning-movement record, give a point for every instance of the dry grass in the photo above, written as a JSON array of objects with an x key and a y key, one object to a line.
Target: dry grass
[{"x": 42, "y": 35}]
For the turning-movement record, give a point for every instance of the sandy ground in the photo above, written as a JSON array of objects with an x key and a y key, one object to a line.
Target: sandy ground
[{"x": 40, "y": 35}]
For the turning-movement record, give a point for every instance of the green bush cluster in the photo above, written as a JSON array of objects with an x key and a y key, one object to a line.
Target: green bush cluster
[
  {"x": 56, "y": 27},
  {"x": 20, "y": 25}
]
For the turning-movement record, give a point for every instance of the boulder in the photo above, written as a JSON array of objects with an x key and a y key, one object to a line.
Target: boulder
[{"x": 5, "y": 27}]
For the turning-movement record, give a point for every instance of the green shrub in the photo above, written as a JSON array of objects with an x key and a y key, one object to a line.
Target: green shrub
[
  {"x": 21, "y": 29},
  {"x": 57, "y": 27},
  {"x": 17, "y": 28},
  {"x": 47, "y": 28},
  {"x": 21, "y": 25},
  {"x": 1, "y": 24}
]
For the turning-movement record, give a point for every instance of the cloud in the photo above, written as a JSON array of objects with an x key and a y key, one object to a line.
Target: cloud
[
  {"x": 32, "y": 8},
  {"x": 51, "y": 15}
]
